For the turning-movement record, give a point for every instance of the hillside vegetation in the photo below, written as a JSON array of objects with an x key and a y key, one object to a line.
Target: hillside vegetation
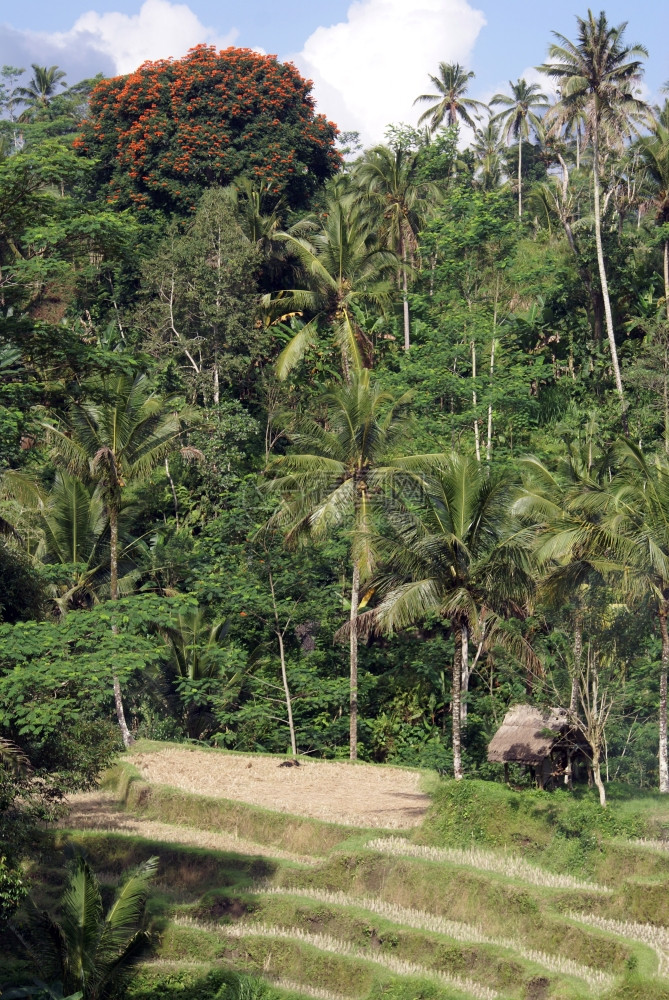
[{"x": 318, "y": 463}]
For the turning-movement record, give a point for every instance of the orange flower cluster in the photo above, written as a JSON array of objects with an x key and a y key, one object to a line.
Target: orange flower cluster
[{"x": 167, "y": 131}]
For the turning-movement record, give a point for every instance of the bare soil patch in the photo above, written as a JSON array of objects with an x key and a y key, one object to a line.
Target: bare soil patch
[
  {"x": 100, "y": 811},
  {"x": 357, "y": 795}
]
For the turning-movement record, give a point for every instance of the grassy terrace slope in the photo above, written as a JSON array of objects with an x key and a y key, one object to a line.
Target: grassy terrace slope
[{"x": 370, "y": 888}]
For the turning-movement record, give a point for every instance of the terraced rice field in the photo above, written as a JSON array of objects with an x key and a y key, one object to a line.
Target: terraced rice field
[{"x": 315, "y": 878}]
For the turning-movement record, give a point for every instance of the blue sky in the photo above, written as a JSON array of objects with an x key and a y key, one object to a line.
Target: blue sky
[{"x": 368, "y": 61}]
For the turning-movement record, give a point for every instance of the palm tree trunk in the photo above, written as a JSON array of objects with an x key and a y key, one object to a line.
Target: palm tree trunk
[
  {"x": 665, "y": 390},
  {"x": 520, "y": 177},
  {"x": 464, "y": 688},
  {"x": 664, "y": 763},
  {"x": 174, "y": 492},
  {"x": 455, "y": 704},
  {"x": 604, "y": 284},
  {"x": 355, "y": 601},
  {"x": 405, "y": 297},
  {"x": 113, "y": 552},
  {"x": 113, "y": 573}
]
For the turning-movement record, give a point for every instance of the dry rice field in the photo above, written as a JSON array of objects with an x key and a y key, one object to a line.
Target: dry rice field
[{"x": 360, "y": 795}]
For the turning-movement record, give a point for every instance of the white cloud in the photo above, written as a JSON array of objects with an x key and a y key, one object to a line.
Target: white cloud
[
  {"x": 160, "y": 29},
  {"x": 368, "y": 69}
]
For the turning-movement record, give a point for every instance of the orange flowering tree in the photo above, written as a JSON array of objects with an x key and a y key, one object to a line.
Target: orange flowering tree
[{"x": 164, "y": 133}]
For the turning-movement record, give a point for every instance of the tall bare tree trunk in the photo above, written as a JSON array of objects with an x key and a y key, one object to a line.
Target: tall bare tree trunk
[
  {"x": 573, "y": 699},
  {"x": 604, "y": 284},
  {"x": 664, "y": 763},
  {"x": 520, "y": 177},
  {"x": 284, "y": 673},
  {"x": 597, "y": 776},
  {"x": 355, "y": 601},
  {"x": 286, "y": 691},
  {"x": 113, "y": 581},
  {"x": 455, "y": 705},
  {"x": 578, "y": 652},
  {"x": 477, "y": 440},
  {"x": 488, "y": 445}
]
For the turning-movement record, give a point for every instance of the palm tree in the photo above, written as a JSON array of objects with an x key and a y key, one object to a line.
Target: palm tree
[
  {"x": 487, "y": 149},
  {"x": 519, "y": 118},
  {"x": 454, "y": 557},
  {"x": 41, "y": 88},
  {"x": 639, "y": 533},
  {"x": 343, "y": 271},
  {"x": 449, "y": 101},
  {"x": 596, "y": 75},
  {"x": 338, "y": 474},
  {"x": 195, "y": 648},
  {"x": 401, "y": 201},
  {"x": 72, "y": 522},
  {"x": 654, "y": 159},
  {"x": 87, "y": 950},
  {"x": 565, "y": 509},
  {"x": 116, "y": 438},
  {"x": 259, "y": 213}
]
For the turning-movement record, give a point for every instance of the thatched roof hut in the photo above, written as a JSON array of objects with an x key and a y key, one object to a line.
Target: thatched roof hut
[{"x": 529, "y": 735}]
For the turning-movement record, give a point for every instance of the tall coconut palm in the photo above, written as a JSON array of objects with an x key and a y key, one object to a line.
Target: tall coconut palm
[
  {"x": 519, "y": 119},
  {"x": 401, "y": 201},
  {"x": 654, "y": 160},
  {"x": 41, "y": 88},
  {"x": 337, "y": 475},
  {"x": 343, "y": 270},
  {"x": 84, "y": 948},
  {"x": 449, "y": 102},
  {"x": 116, "y": 438},
  {"x": 565, "y": 507},
  {"x": 639, "y": 533},
  {"x": 596, "y": 76},
  {"x": 487, "y": 149},
  {"x": 454, "y": 557}
]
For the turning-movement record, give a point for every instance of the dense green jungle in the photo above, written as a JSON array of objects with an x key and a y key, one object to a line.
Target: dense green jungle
[{"x": 336, "y": 453}]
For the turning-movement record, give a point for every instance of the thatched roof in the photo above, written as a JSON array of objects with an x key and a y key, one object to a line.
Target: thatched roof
[{"x": 523, "y": 735}]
